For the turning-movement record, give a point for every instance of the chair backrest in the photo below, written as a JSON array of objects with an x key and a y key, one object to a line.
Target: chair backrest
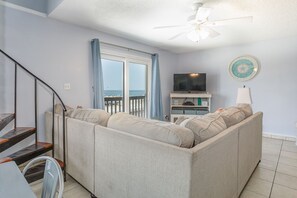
[{"x": 52, "y": 175}]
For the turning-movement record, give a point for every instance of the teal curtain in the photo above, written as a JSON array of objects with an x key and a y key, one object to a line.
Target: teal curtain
[
  {"x": 98, "y": 86},
  {"x": 156, "y": 95}
]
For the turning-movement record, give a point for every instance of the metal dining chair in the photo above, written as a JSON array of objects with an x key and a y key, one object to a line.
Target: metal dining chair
[{"x": 52, "y": 176}]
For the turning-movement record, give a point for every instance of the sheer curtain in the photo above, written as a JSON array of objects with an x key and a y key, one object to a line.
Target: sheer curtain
[
  {"x": 98, "y": 86},
  {"x": 156, "y": 95}
]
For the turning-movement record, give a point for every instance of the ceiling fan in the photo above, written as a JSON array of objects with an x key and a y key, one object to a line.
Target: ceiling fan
[{"x": 198, "y": 26}]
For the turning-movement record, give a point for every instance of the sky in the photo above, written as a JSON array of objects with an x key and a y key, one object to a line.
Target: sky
[{"x": 113, "y": 75}]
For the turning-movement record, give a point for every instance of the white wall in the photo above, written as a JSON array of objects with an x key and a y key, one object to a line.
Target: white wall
[
  {"x": 274, "y": 89},
  {"x": 60, "y": 53}
]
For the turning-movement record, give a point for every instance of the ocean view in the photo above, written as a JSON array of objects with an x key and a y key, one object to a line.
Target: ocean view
[{"x": 120, "y": 93}]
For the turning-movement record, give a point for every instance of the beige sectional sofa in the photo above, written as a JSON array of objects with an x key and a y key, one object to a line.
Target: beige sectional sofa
[{"x": 111, "y": 163}]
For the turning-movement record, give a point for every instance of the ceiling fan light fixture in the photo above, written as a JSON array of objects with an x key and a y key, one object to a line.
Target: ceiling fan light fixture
[
  {"x": 196, "y": 5},
  {"x": 197, "y": 35}
]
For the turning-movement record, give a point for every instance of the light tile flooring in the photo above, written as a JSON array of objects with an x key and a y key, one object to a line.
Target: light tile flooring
[
  {"x": 275, "y": 177},
  {"x": 71, "y": 189}
]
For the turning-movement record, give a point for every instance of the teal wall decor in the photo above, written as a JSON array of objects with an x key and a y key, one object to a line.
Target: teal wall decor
[{"x": 244, "y": 68}]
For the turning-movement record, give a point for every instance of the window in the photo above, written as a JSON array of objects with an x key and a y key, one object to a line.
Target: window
[{"x": 126, "y": 84}]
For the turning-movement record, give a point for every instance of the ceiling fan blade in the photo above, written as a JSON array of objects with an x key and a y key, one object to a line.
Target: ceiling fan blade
[
  {"x": 233, "y": 21},
  {"x": 177, "y": 35},
  {"x": 169, "y": 26},
  {"x": 203, "y": 13},
  {"x": 212, "y": 33}
]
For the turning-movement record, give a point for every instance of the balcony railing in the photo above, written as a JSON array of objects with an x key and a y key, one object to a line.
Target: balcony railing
[{"x": 137, "y": 105}]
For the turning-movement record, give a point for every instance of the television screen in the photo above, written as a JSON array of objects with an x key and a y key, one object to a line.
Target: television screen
[{"x": 190, "y": 82}]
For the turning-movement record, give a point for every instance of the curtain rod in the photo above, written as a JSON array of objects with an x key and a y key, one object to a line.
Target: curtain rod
[{"x": 129, "y": 49}]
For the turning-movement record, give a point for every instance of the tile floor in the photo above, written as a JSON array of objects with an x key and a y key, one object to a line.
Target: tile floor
[
  {"x": 275, "y": 177},
  {"x": 71, "y": 189}
]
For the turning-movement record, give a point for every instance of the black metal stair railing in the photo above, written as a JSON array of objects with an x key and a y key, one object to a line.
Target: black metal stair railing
[{"x": 55, "y": 95}]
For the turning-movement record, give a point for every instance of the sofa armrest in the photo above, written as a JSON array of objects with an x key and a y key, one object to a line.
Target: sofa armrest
[
  {"x": 214, "y": 172},
  {"x": 80, "y": 147},
  {"x": 250, "y": 147},
  {"x": 58, "y": 133},
  {"x": 129, "y": 166}
]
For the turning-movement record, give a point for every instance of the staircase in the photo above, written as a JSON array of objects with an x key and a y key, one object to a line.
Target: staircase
[{"x": 18, "y": 134}]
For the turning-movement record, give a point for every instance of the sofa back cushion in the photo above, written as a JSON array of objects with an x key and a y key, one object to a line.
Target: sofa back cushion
[
  {"x": 156, "y": 130},
  {"x": 205, "y": 127},
  {"x": 232, "y": 116},
  {"x": 96, "y": 116}
]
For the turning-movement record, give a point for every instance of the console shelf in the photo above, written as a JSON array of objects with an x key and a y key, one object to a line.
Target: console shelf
[{"x": 201, "y": 103}]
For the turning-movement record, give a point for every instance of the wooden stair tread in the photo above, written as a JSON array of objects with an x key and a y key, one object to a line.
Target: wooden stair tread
[
  {"x": 28, "y": 153},
  {"x": 14, "y": 136},
  {"x": 5, "y": 119},
  {"x": 36, "y": 172}
]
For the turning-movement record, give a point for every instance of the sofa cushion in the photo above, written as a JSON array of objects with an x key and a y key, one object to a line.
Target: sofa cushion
[
  {"x": 59, "y": 109},
  {"x": 96, "y": 116},
  {"x": 156, "y": 130},
  {"x": 246, "y": 108},
  {"x": 180, "y": 119},
  {"x": 205, "y": 127},
  {"x": 232, "y": 116}
]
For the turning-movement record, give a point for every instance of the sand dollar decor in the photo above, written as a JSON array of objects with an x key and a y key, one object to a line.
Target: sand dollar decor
[{"x": 244, "y": 68}]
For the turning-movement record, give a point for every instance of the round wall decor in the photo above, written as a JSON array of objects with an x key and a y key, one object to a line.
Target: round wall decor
[{"x": 244, "y": 68}]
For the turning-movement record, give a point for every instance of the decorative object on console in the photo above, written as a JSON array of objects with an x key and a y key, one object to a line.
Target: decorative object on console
[
  {"x": 244, "y": 68},
  {"x": 244, "y": 96},
  {"x": 188, "y": 103}
]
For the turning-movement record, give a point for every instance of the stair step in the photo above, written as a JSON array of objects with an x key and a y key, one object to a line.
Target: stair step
[
  {"x": 5, "y": 119},
  {"x": 14, "y": 136},
  {"x": 36, "y": 172},
  {"x": 28, "y": 153}
]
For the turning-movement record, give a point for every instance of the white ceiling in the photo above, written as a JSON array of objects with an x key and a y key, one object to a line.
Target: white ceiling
[{"x": 135, "y": 19}]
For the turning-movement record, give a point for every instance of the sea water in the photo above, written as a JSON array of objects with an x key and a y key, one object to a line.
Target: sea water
[{"x": 120, "y": 93}]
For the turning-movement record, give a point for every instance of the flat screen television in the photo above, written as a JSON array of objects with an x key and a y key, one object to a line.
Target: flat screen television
[{"x": 192, "y": 82}]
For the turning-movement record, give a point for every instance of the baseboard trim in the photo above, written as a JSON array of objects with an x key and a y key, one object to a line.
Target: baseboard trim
[{"x": 279, "y": 136}]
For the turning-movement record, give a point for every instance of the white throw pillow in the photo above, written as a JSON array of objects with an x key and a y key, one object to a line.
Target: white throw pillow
[
  {"x": 183, "y": 123},
  {"x": 180, "y": 119}
]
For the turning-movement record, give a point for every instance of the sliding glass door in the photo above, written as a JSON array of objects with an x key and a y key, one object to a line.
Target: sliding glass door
[
  {"x": 137, "y": 89},
  {"x": 113, "y": 76},
  {"x": 126, "y": 85}
]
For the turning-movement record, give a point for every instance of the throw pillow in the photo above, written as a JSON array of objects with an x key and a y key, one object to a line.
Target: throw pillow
[
  {"x": 232, "y": 116},
  {"x": 180, "y": 119},
  {"x": 246, "y": 108},
  {"x": 59, "y": 109},
  {"x": 206, "y": 126},
  {"x": 96, "y": 116}
]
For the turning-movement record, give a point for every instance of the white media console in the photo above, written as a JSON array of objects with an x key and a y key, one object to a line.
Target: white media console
[{"x": 189, "y": 104}]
